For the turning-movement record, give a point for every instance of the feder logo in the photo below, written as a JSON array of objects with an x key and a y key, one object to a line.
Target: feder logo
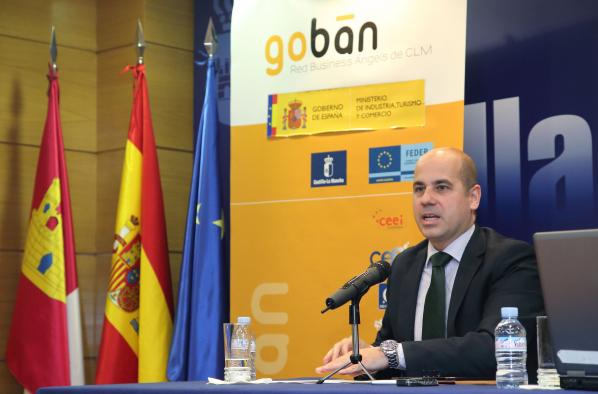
[{"x": 321, "y": 40}]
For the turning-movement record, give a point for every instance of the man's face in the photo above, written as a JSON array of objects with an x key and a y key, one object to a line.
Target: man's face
[{"x": 442, "y": 207}]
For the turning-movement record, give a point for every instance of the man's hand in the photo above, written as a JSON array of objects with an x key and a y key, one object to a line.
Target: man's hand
[
  {"x": 342, "y": 347},
  {"x": 372, "y": 358}
]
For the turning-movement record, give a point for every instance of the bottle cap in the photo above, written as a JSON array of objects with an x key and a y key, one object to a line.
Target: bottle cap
[
  {"x": 509, "y": 311},
  {"x": 243, "y": 320}
]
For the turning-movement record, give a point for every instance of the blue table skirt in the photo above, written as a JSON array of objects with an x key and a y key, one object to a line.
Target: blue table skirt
[{"x": 284, "y": 388}]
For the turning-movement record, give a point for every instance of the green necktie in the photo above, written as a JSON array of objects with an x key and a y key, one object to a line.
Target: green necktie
[{"x": 433, "y": 323}]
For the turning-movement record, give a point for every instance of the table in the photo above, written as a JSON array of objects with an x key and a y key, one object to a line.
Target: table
[{"x": 285, "y": 388}]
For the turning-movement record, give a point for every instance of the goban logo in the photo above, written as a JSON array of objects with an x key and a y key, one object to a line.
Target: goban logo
[{"x": 320, "y": 41}]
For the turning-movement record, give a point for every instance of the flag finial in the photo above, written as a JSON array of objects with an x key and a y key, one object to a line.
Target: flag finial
[
  {"x": 53, "y": 50},
  {"x": 140, "y": 42},
  {"x": 211, "y": 39}
]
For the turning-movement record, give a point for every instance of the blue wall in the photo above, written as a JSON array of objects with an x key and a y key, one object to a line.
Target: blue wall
[{"x": 531, "y": 95}]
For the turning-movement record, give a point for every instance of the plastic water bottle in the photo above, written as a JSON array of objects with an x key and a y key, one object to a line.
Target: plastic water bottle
[
  {"x": 245, "y": 320},
  {"x": 511, "y": 350},
  {"x": 240, "y": 361}
]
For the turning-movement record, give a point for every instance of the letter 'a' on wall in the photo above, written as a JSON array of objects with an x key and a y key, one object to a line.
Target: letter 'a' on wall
[{"x": 309, "y": 212}]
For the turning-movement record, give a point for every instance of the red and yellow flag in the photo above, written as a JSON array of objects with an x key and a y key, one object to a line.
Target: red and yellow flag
[
  {"x": 139, "y": 306},
  {"x": 44, "y": 344}
]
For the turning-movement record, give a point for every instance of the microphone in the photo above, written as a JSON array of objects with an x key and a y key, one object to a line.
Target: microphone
[{"x": 358, "y": 285}]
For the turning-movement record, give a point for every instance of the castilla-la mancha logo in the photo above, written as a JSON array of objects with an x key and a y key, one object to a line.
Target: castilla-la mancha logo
[{"x": 294, "y": 117}]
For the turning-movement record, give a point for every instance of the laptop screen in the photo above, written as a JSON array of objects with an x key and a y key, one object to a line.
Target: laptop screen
[{"x": 568, "y": 266}]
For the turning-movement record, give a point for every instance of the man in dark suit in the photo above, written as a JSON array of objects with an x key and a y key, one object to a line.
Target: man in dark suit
[{"x": 445, "y": 294}]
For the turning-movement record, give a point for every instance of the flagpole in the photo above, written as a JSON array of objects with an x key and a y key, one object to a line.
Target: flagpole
[
  {"x": 53, "y": 50},
  {"x": 73, "y": 304},
  {"x": 140, "y": 42},
  {"x": 211, "y": 39}
]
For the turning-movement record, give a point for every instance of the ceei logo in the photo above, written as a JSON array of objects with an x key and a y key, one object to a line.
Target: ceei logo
[
  {"x": 388, "y": 221},
  {"x": 320, "y": 41}
]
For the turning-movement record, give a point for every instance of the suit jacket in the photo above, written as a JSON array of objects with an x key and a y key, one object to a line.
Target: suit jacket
[{"x": 494, "y": 271}]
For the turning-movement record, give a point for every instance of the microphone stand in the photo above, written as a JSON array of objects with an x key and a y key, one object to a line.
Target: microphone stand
[{"x": 355, "y": 357}]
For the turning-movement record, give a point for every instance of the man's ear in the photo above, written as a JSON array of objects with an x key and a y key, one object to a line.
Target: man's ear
[{"x": 475, "y": 194}]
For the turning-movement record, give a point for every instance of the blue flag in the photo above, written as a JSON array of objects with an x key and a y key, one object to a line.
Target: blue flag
[{"x": 197, "y": 350}]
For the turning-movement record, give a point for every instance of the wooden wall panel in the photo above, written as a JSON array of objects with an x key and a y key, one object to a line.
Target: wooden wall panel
[
  {"x": 165, "y": 22},
  {"x": 8, "y": 384},
  {"x": 75, "y": 21},
  {"x": 82, "y": 178},
  {"x": 110, "y": 165},
  {"x": 90, "y": 370},
  {"x": 23, "y": 90},
  {"x": 169, "y": 72},
  {"x": 96, "y": 41},
  {"x": 102, "y": 275},
  {"x": 117, "y": 23},
  {"x": 17, "y": 170},
  {"x": 87, "y": 271},
  {"x": 17, "y": 174},
  {"x": 170, "y": 23},
  {"x": 169, "y": 65},
  {"x": 175, "y": 172},
  {"x": 175, "y": 269},
  {"x": 24, "y": 99},
  {"x": 9, "y": 279},
  {"x": 78, "y": 99},
  {"x": 115, "y": 97}
]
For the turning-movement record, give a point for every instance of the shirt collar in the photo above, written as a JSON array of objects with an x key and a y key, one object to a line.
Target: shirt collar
[{"x": 455, "y": 248}]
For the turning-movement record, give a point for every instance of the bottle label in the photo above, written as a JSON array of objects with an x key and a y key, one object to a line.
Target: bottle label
[
  {"x": 239, "y": 344},
  {"x": 511, "y": 343}
]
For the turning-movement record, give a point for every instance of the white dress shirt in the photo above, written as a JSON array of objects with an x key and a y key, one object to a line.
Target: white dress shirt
[{"x": 455, "y": 249}]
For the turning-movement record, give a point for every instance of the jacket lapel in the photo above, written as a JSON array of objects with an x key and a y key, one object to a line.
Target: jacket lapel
[
  {"x": 470, "y": 261},
  {"x": 408, "y": 295}
]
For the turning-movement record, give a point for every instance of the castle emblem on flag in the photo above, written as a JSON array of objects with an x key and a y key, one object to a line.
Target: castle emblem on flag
[
  {"x": 123, "y": 289},
  {"x": 43, "y": 260},
  {"x": 294, "y": 117}
]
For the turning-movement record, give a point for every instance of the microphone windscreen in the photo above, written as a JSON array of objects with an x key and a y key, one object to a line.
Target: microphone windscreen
[{"x": 383, "y": 269}]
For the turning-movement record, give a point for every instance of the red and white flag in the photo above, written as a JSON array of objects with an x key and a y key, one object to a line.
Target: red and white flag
[{"x": 44, "y": 343}]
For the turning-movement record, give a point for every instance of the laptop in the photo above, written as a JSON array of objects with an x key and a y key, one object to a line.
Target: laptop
[{"x": 568, "y": 266}]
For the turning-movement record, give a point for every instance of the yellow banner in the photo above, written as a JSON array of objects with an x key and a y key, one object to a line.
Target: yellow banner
[
  {"x": 292, "y": 231},
  {"x": 368, "y": 107}
]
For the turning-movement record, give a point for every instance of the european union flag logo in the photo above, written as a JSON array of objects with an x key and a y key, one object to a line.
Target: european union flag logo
[{"x": 395, "y": 163}]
